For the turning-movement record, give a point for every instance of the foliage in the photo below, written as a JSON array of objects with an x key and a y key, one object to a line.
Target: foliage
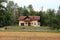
[
  {"x": 2, "y": 13},
  {"x": 13, "y": 10},
  {"x": 9, "y": 15},
  {"x": 3, "y": 1}
]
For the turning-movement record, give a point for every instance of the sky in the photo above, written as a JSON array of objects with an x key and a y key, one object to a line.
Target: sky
[{"x": 38, "y": 4}]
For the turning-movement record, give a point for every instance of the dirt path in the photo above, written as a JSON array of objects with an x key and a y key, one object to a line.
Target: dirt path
[{"x": 29, "y": 36}]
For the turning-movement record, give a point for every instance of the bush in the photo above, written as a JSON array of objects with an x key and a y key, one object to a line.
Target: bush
[{"x": 1, "y": 25}]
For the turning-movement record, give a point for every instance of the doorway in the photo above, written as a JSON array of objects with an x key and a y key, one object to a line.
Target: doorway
[
  {"x": 22, "y": 24},
  {"x": 29, "y": 24}
]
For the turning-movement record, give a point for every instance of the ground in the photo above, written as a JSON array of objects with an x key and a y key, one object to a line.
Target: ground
[{"x": 29, "y": 36}]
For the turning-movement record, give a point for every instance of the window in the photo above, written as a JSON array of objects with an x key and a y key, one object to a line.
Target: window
[
  {"x": 22, "y": 24},
  {"x": 34, "y": 23},
  {"x": 26, "y": 23}
]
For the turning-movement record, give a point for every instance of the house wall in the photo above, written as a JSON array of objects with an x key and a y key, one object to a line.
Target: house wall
[
  {"x": 33, "y": 23},
  {"x": 22, "y": 22}
]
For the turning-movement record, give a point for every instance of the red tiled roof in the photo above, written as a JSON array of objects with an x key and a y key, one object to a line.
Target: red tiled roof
[
  {"x": 32, "y": 17},
  {"x": 21, "y": 17},
  {"x": 35, "y": 17}
]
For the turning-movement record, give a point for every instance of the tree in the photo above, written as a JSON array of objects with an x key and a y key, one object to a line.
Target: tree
[
  {"x": 20, "y": 11},
  {"x": 31, "y": 10},
  {"x": 3, "y": 1},
  {"x": 13, "y": 10},
  {"x": 41, "y": 14},
  {"x": 25, "y": 11},
  {"x": 30, "y": 7},
  {"x": 10, "y": 7},
  {"x": 51, "y": 18},
  {"x": 2, "y": 14},
  {"x": 58, "y": 19}
]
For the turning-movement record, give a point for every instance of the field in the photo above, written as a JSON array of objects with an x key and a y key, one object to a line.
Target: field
[{"x": 29, "y": 36}]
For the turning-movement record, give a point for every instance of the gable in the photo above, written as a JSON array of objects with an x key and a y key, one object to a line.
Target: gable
[{"x": 27, "y": 18}]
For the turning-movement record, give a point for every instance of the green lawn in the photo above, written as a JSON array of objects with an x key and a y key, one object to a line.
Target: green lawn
[
  {"x": 51, "y": 31},
  {"x": 25, "y": 29},
  {"x": 28, "y": 26}
]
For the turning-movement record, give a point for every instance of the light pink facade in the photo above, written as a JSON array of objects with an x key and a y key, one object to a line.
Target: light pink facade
[{"x": 27, "y": 21}]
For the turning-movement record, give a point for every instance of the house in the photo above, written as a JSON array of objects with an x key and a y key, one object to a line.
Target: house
[{"x": 29, "y": 21}]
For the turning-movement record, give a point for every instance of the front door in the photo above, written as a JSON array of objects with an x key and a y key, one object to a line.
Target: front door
[
  {"x": 22, "y": 24},
  {"x": 29, "y": 24}
]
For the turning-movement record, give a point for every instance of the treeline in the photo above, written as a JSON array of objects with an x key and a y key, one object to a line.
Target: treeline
[{"x": 9, "y": 15}]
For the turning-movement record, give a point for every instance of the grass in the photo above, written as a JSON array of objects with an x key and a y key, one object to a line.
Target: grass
[
  {"x": 50, "y": 31},
  {"x": 27, "y": 27}
]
